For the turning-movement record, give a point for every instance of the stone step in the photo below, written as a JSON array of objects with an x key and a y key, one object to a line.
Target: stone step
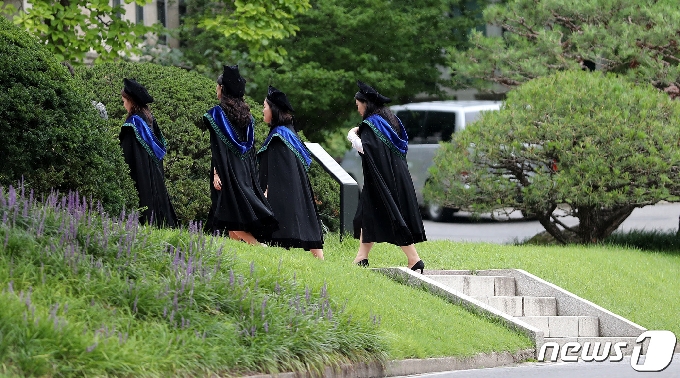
[
  {"x": 564, "y": 326},
  {"x": 522, "y": 306},
  {"x": 477, "y": 286}
]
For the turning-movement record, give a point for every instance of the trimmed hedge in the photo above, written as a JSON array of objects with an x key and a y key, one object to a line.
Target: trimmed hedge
[
  {"x": 53, "y": 136},
  {"x": 180, "y": 100}
]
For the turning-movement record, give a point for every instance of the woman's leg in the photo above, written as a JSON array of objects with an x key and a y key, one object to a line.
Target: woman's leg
[
  {"x": 411, "y": 254},
  {"x": 246, "y": 237},
  {"x": 318, "y": 253},
  {"x": 364, "y": 248}
]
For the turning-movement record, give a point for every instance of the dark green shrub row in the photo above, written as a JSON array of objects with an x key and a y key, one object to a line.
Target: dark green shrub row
[
  {"x": 52, "y": 135},
  {"x": 180, "y": 100}
]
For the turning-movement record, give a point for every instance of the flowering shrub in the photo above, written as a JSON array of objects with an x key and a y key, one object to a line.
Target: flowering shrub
[{"x": 87, "y": 294}]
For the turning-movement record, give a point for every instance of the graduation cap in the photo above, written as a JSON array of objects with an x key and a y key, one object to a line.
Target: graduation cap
[
  {"x": 137, "y": 92},
  {"x": 366, "y": 92},
  {"x": 279, "y": 99},
  {"x": 231, "y": 81}
]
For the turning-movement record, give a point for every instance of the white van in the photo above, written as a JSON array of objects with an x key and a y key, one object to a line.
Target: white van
[{"x": 427, "y": 124}]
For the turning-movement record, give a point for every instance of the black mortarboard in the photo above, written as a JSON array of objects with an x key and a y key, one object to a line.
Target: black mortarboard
[
  {"x": 231, "y": 81},
  {"x": 137, "y": 92},
  {"x": 366, "y": 92},
  {"x": 279, "y": 99}
]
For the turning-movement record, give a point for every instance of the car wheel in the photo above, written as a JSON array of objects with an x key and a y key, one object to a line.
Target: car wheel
[{"x": 438, "y": 213}]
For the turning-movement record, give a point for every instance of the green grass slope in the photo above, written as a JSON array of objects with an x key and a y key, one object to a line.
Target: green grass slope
[
  {"x": 639, "y": 285},
  {"x": 85, "y": 294}
]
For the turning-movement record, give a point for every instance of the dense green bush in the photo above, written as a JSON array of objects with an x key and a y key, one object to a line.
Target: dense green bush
[
  {"x": 180, "y": 100},
  {"x": 53, "y": 136},
  {"x": 588, "y": 145}
]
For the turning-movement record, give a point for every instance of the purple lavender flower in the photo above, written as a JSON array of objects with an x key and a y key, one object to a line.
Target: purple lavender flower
[
  {"x": 28, "y": 298},
  {"x": 12, "y": 196},
  {"x": 91, "y": 348},
  {"x": 264, "y": 306}
]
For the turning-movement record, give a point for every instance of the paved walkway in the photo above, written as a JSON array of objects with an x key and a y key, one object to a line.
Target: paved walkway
[
  {"x": 579, "y": 369},
  {"x": 513, "y": 228}
]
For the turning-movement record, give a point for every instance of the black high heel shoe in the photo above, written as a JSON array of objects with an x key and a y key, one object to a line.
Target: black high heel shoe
[
  {"x": 363, "y": 263},
  {"x": 420, "y": 265}
]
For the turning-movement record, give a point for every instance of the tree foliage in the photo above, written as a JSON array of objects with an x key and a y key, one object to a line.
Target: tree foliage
[
  {"x": 395, "y": 45},
  {"x": 213, "y": 29},
  {"x": 53, "y": 136},
  {"x": 637, "y": 39},
  {"x": 588, "y": 145},
  {"x": 71, "y": 28}
]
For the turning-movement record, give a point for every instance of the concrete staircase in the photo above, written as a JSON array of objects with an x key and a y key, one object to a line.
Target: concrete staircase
[
  {"x": 546, "y": 313},
  {"x": 541, "y": 312}
]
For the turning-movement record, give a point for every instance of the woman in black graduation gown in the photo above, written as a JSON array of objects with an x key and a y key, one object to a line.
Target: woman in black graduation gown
[
  {"x": 238, "y": 204},
  {"x": 388, "y": 210},
  {"x": 284, "y": 161},
  {"x": 144, "y": 148}
]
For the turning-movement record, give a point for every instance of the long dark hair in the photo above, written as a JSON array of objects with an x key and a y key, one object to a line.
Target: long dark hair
[
  {"x": 280, "y": 117},
  {"x": 236, "y": 110},
  {"x": 142, "y": 111},
  {"x": 383, "y": 111}
]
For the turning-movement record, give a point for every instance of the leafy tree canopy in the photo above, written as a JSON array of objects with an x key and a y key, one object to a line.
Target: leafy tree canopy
[
  {"x": 589, "y": 145},
  {"x": 637, "y": 39},
  {"x": 71, "y": 28},
  {"x": 215, "y": 27},
  {"x": 394, "y": 45}
]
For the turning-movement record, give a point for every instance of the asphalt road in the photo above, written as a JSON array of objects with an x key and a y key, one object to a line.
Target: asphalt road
[
  {"x": 507, "y": 229},
  {"x": 579, "y": 369}
]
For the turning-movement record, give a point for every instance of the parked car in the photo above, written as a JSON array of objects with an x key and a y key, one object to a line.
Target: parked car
[{"x": 427, "y": 124}]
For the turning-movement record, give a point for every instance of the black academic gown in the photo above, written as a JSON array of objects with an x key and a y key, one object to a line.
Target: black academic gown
[
  {"x": 240, "y": 205},
  {"x": 388, "y": 209},
  {"x": 149, "y": 179},
  {"x": 289, "y": 192}
]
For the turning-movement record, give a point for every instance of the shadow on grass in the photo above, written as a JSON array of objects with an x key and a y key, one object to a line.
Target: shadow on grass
[
  {"x": 652, "y": 241},
  {"x": 649, "y": 241}
]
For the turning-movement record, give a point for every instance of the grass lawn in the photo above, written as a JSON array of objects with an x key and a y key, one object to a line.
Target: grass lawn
[
  {"x": 641, "y": 286},
  {"x": 413, "y": 323}
]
